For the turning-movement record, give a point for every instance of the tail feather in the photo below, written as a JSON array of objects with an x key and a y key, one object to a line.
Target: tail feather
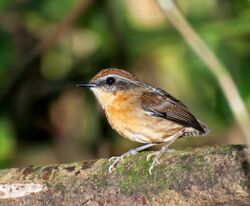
[
  {"x": 194, "y": 132},
  {"x": 204, "y": 127}
]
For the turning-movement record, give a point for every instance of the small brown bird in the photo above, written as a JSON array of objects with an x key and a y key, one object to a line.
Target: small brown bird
[{"x": 142, "y": 113}]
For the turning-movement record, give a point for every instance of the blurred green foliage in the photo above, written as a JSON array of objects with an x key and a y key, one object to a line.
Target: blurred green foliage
[
  {"x": 7, "y": 141},
  {"x": 46, "y": 119}
]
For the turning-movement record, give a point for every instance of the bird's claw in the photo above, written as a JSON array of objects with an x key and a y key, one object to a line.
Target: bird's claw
[
  {"x": 155, "y": 160},
  {"x": 116, "y": 159},
  {"x": 150, "y": 155},
  {"x": 113, "y": 158},
  {"x": 157, "y": 155}
]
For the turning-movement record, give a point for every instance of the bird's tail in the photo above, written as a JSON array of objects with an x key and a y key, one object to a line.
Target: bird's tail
[
  {"x": 205, "y": 129},
  {"x": 195, "y": 132}
]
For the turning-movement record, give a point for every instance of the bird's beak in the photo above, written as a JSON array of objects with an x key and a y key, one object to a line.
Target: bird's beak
[{"x": 87, "y": 84}]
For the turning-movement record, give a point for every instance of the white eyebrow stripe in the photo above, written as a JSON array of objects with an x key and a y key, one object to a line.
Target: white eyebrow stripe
[{"x": 119, "y": 77}]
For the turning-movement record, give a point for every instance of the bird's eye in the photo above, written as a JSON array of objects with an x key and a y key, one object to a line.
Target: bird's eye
[{"x": 110, "y": 81}]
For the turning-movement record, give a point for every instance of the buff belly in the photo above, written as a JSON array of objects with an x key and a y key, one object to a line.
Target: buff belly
[{"x": 139, "y": 126}]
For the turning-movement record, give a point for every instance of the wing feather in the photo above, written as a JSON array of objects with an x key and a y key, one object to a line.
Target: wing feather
[{"x": 159, "y": 103}]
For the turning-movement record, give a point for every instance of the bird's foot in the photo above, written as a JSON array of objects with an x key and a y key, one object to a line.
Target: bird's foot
[
  {"x": 157, "y": 155},
  {"x": 116, "y": 159}
]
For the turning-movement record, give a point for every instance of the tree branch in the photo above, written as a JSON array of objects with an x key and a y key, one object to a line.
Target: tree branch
[{"x": 217, "y": 175}]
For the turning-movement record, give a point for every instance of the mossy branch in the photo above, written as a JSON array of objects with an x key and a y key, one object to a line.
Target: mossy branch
[{"x": 203, "y": 176}]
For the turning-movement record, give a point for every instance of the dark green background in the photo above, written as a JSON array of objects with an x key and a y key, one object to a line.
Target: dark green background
[{"x": 45, "y": 119}]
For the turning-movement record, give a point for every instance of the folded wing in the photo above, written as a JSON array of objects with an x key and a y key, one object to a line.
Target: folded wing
[{"x": 161, "y": 104}]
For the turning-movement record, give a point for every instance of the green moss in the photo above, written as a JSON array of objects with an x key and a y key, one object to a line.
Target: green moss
[
  {"x": 135, "y": 178},
  {"x": 134, "y": 173},
  {"x": 132, "y": 176},
  {"x": 100, "y": 175}
]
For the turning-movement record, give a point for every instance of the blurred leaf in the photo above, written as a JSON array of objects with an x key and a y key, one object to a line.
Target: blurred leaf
[
  {"x": 7, "y": 56},
  {"x": 4, "y": 4},
  {"x": 6, "y": 51},
  {"x": 81, "y": 43},
  {"x": 198, "y": 9},
  {"x": 56, "y": 10},
  {"x": 56, "y": 63},
  {"x": 6, "y": 140}
]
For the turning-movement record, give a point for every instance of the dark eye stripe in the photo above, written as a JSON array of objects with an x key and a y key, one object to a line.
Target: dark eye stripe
[{"x": 110, "y": 81}]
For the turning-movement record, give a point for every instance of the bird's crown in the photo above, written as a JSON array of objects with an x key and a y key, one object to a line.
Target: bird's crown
[{"x": 112, "y": 72}]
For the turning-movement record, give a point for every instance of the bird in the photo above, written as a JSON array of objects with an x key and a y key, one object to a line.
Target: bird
[{"x": 142, "y": 113}]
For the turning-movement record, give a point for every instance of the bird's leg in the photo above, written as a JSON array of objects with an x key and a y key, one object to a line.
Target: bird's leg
[
  {"x": 164, "y": 149},
  {"x": 116, "y": 159}
]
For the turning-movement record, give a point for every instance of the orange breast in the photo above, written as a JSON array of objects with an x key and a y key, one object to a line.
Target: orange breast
[{"x": 127, "y": 117}]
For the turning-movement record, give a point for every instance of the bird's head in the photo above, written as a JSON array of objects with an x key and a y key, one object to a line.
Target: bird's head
[{"x": 109, "y": 83}]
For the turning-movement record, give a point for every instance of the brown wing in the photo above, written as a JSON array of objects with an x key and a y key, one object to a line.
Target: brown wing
[{"x": 159, "y": 103}]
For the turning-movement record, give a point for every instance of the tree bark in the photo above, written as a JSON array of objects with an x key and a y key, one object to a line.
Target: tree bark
[{"x": 217, "y": 175}]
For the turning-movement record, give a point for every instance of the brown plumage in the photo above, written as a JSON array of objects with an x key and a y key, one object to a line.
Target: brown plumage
[
  {"x": 141, "y": 112},
  {"x": 161, "y": 104}
]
